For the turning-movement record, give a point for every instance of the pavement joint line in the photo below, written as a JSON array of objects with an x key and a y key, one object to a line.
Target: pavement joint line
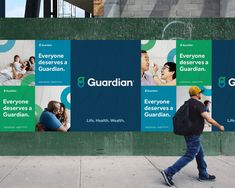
[
  {"x": 152, "y": 164},
  {"x": 13, "y": 169},
  {"x": 222, "y": 160},
  {"x": 158, "y": 169},
  {"x": 80, "y": 173}
]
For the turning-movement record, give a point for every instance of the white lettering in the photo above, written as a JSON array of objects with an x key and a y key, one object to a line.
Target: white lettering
[
  {"x": 231, "y": 82},
  {"x": 106, "y": 83}
]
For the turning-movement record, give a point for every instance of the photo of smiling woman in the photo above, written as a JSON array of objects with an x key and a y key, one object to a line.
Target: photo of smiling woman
[{"x": 168, "y": 74}]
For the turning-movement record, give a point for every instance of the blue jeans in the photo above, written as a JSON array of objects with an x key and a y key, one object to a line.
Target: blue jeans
[{"x": 194, "y": 149}]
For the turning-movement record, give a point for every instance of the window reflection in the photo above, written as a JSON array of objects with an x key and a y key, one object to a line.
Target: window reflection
[{"x": 16, "y": 9}]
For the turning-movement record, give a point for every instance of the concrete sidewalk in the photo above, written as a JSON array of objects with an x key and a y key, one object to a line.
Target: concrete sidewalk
[{"x": 108, "y": 172}]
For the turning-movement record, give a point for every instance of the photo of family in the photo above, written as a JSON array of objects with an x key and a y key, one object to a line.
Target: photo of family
[
  {"x": 17, "y": 64},
  {"x": 158, "y": 67},
  {"x": 54, "y": 113}
]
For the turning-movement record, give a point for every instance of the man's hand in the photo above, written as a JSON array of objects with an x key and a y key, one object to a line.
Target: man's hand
[
  {"x": 155, "y": 69},
  {"x": 210, "y": 120},
  {"x": 221, "y": 128}
]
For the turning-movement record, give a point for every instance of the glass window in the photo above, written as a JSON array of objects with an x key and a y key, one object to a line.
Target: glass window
[
  {"x": 15, "y": 8},
  {"x": 67, "y": 10}
]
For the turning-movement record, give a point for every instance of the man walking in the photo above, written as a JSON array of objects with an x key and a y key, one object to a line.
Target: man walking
[{"x": 197, "y": 114}]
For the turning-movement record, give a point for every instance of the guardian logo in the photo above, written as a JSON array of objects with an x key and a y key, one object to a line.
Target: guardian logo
[
  {"x": 81, "y": 82},
  {"x": 92, "y": 82},
  {"x": 222, "y": 82}
]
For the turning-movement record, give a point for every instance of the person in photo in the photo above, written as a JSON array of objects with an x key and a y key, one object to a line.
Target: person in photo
[
  {"x": 168, "y": 74},
  {"x": 54, "y": 118},
  {"x": 16, "y": 70},
  {"x": 63, "y": 116},
  {"x": 17, "y": 64},
  {"x": 30, "y": 64},
  {"x": 146, "y": 79},
  {"x": 207, "y": 105}
]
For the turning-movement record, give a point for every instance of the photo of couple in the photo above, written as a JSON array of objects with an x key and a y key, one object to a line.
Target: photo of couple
[
  {"x": 54, "y": 118},
  {"x": 53, "y": 109},
  {"x": 162, "y": 73}
]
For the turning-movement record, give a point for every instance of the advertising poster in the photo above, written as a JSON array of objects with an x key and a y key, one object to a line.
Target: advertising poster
[
  {"x": 224, "y": 83},
  {"x": 17, "y": 109},
  {"x": 194, "y": 62},
  {"x": 52, "y": 62},
  {"x": 105, "y": 86},
  {"x": 158, "y": 85},
  {"x": 112, "y": 85},
  {"x": 17, "y": 80}
]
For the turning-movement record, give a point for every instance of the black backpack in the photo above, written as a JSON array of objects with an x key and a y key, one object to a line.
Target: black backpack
[{"x": 181, "y": 122}]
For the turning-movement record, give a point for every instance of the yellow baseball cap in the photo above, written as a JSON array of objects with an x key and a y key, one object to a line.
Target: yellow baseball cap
[{"x": 194, "y": 90}]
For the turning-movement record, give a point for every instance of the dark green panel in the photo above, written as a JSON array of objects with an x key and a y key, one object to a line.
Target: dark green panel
[
  {"x": 228, "y": 143},
  {"x": 158, "y": 144},
  {"x": 113, "y": 143},
  {"x": 211, "y": 143},
  {"x": 105, "y": 143},
  {"x": 117, "y": 28},
  {"x": 167, "y": 144}
]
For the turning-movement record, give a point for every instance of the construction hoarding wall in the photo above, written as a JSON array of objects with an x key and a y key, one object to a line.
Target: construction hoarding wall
[
  {"x": 134, "y": 86},
  {"x": 124, "y": 143}
]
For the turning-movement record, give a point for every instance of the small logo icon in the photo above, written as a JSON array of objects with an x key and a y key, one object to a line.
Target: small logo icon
[
  {"x": 221, "y": 82},
  {"x": 81, "y": 82}
]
